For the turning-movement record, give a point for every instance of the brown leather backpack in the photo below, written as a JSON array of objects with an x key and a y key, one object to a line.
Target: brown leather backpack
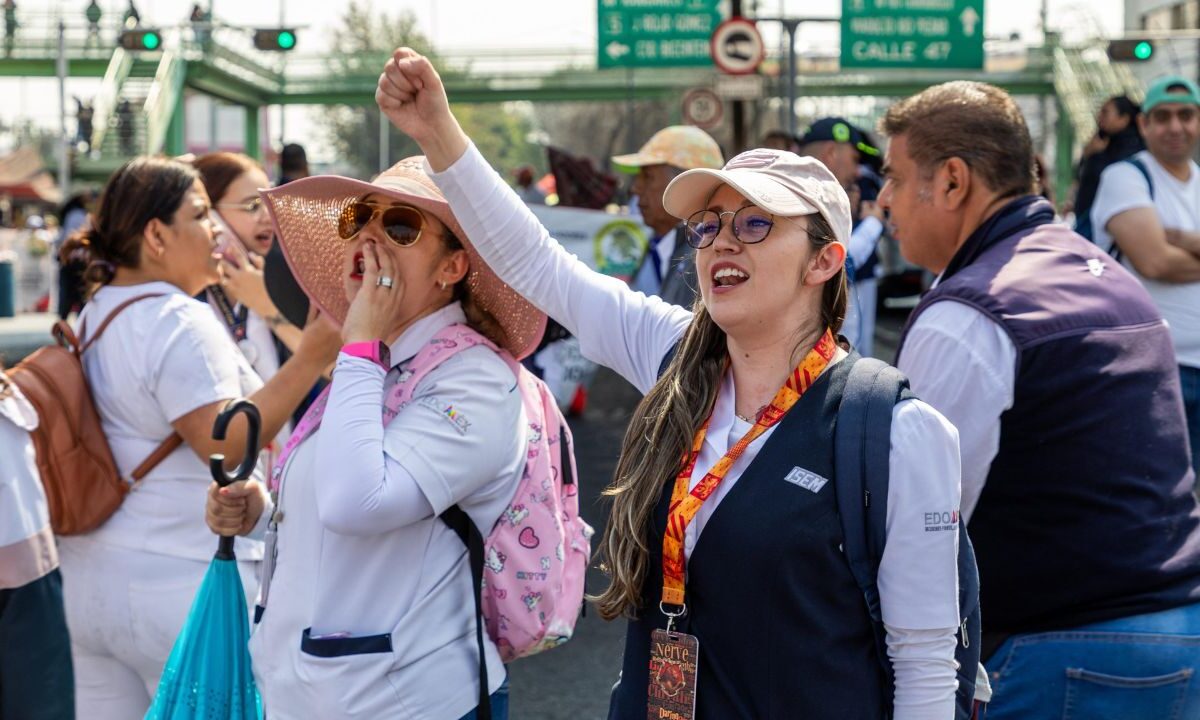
[{"x": 83, "y": 486}]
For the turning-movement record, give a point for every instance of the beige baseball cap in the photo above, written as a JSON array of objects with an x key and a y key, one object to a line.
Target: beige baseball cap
[
  {"x": 683, "y": 146},
  {"x": 778, "y": 181}
]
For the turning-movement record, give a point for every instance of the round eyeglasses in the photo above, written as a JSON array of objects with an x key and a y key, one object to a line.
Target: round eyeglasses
[
  {"x": 402, "y": 224},
  {"x": 750, "y": 225}
]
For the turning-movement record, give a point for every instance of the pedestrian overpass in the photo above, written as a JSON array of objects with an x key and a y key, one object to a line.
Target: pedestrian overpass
[{"x": 223, "y": 64}]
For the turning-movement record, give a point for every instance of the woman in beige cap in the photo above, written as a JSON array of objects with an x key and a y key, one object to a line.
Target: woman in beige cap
[
  {"x": 366, "y": 606},
  {"x": 764, "y": 594}
]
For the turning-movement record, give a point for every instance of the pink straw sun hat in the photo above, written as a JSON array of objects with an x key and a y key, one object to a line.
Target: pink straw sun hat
[{"x": 305, "y": 213}]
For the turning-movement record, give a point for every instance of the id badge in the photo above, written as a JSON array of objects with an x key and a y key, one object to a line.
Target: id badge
[
  {"x": 674, "y": 660},
  {"x": 270, "y": 538}
]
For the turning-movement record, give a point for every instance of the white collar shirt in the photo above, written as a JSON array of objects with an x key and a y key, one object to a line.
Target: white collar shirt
[{"x": 27, "y": 549}]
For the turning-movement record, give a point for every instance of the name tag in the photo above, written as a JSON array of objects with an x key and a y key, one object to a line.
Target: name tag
[
  {"x": 808, "y": 480},
  {"x": 674, "y": 659}
]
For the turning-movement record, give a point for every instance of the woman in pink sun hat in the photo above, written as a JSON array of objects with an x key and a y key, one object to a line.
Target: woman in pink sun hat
[
  {"x": 724, "y": 544},
  {"x": 366, "y": 603}
]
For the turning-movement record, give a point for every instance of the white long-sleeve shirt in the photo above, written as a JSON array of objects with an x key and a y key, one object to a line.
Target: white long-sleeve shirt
[{"x": 630, "y": 333}]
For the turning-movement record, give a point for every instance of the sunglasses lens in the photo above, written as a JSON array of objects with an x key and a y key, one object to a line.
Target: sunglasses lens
[
  {"x": 702, "y": 228},
  {"x": 403, "y": 225},
  {"x": 752, "y": 225},
  {"x": 354, "y": 217}
]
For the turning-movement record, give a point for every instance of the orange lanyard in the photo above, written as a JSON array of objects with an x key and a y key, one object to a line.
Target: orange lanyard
[{"x": 685, "y": 505}]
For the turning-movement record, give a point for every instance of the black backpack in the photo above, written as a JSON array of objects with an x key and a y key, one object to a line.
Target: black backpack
[{"x": 862, "y": 451}]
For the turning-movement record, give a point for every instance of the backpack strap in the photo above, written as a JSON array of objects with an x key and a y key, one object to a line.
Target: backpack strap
[
  {"x": 64, "y": 336},
  {"x": 862, "y": 453},
  {"x": 465, "y": 528}
]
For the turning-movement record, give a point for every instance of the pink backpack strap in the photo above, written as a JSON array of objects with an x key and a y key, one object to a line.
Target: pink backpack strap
[
  {"x": 448, "y": 342},
  {"x": 307, "y": 426}
]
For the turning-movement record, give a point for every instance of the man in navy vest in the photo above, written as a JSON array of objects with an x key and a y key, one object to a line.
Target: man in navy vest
[
  {"x": 668, "y": 269},
  {"x": 1058, "y": 370}
]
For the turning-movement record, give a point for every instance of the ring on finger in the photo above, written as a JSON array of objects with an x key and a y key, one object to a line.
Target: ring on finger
[{"x": 385, "y": 281}]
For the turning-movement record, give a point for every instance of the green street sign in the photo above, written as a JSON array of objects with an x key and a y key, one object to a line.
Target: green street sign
[
  {"x": 912, "y": 34},
  {"x": 655, "y": 33}
]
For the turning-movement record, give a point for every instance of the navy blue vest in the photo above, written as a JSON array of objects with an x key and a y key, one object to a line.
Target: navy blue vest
[
  {"x": 1088, "y": 512},
  {"x": 782, "y": 627}
]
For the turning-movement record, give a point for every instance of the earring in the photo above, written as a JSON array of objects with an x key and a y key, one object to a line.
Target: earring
[{"x": 443, "y": 282}]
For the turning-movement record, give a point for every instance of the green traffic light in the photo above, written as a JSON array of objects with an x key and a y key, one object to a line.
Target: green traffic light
[
  {"x": 150, "y": 41},
  {"x": 1143, "y": 50},
  {"x": 287, "y": 40}
]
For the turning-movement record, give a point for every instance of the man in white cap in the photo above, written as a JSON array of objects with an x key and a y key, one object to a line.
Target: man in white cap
[{"x": 668, "y": 269}]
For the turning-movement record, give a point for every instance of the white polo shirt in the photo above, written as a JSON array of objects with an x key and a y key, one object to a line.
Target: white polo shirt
[
  {"x": 631, "y": 333},
  {"x": 159, "y": 360},
  {"x": 1177, "y": 202},
  {"x": 27, "y": 549},
  {"x": 362, "y": 553}
]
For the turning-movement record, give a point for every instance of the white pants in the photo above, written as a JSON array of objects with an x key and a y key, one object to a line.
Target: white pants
[{"x": 124, "y": 610}]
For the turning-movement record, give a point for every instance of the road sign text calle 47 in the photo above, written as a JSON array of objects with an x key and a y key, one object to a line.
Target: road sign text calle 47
[
  {"x": 655, "y": 33},
  {"x": 912, "y": 34}
]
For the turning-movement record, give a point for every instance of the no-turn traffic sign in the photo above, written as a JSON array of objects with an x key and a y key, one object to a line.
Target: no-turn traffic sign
[
  {"x": 702, "y": 108},
  {"x": 737, "y": 48}
]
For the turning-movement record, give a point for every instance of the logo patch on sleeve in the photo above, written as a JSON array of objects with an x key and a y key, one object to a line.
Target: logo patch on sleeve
[
  {"x": 808, "y": 480},
  {"x": 449, "y": 412},
  {"x": 941, "y": 521}
]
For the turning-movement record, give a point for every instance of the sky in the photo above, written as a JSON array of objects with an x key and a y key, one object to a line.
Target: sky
[{"x": 547, "y": 24}]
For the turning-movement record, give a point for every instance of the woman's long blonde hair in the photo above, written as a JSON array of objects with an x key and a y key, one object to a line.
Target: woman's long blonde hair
[{"x": 661, "y": 433}]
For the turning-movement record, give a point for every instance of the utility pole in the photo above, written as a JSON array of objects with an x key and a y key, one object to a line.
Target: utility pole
[
  {"x": 64, "y": 140},
  {"x": 385, "y": 138},
  {"x": 738, "y": 109},
  {"x": 791, "y": 26}
]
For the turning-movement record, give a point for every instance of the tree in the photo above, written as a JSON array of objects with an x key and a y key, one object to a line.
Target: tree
[{"x": 366, "y": 40}]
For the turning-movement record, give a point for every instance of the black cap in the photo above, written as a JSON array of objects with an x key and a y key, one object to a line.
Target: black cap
[{"x": 831, "y": 129}]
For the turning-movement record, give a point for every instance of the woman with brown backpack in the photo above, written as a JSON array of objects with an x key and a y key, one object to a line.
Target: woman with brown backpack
[{"x": 164, "y": 367}]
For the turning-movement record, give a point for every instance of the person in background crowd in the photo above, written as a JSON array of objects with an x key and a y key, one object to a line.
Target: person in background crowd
[
  {"x": 36, "y": 681},
  {"x": 10, "y": 25},
  {"x": 359, "y": 500},
  {"x": 1045, "y": 184},
  {"x": 1117, "y": 138},
  {"x": 1149, "y": 215},
  {"x": 164, "y": 366},
  {"x": 835, "y": 142},
  {"x": 74, "y": 217},
  {"x": 132, "y": 18},
  {"x": 529, "y": 192},
  {"x": 782, "y": 629},
  {"x": 862, "y": 261},
  {"x": 84, "y": 114},
  {"x": 779, "y": 140},
  {"x": 126, "y": 131},
  {"x": 265, "y": 337},
  {"x": 293, "y": 163},
  {"x": 93, "y": 14},
  {"x": 1057, "y": 370},
  {"x": 668, "y": 269}
]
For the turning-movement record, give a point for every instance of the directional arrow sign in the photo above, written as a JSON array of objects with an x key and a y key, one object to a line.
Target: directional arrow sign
[
  {"x": 970, "y": 18},
  {"x": 655, "y": 33},
  {"x": 912, "y": 34}
]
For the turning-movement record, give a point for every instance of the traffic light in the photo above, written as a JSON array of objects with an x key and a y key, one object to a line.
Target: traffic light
[
  {"x": 275, "y": 39},
  {"x": 140, "y": 39},
  {"x": 1131, "y": 50}
]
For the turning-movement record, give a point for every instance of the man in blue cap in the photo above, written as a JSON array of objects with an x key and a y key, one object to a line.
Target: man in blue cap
[{"x": 1147, "y": 212}]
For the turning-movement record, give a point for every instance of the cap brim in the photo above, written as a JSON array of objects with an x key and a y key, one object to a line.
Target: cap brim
[
  {"x": 689, "y": 192},
  {"x": 633, "y": 162}
]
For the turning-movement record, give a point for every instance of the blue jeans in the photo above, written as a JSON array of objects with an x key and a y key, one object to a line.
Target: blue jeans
[
  {"x": 499, "y": 704},
  {"x": 1189, "y": 378},
  {"x": 1142, "y": 667}
]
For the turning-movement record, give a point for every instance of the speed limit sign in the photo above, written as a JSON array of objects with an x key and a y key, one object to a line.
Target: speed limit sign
[{"x": 702, "y": 108}]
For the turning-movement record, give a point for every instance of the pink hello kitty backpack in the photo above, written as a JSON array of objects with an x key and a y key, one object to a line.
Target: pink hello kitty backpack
[{"x": 529, "y": 570}]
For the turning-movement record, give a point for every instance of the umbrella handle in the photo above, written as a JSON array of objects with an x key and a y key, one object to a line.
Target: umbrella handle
[{"x": 216, "y": 461}]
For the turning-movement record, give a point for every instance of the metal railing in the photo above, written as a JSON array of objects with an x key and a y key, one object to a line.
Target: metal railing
[
  {"x": 110, "y": 89},
  {"x": 163, "y": 100}
]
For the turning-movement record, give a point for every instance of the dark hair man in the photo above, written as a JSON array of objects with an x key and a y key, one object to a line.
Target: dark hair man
[
  {"x": 1057, "y": 369},
  {"x": 293, "y": 163}
]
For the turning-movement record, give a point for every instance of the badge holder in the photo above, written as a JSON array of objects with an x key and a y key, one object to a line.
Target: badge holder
[{"x": 674, "y": 661}]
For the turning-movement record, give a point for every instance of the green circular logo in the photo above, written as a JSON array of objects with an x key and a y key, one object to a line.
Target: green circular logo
[
  {"x": 619, "y": 246},
  {"x": 841, "y": 132}
]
